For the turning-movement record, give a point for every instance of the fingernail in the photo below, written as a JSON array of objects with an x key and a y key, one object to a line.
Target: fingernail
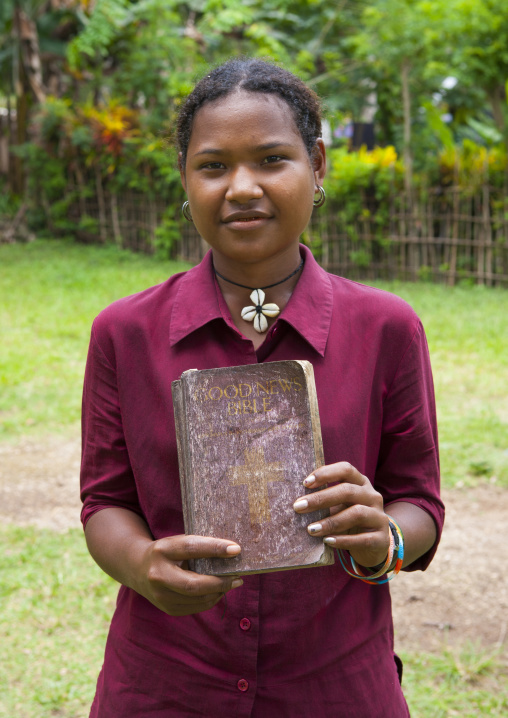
[
  {"x": 309, "y": 480},
  {"x": 300, "y": 504},
  {"x": 330, "y": 541},
  {"x": 233, "y": 550},
  {"x": 314, "y": 528},
  {"x": 237, "y": 582}
]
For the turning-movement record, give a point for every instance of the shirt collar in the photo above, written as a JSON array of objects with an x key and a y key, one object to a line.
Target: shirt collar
[
  {"x": 309, "y": 311},
  {"x": 196, "y": 302}
]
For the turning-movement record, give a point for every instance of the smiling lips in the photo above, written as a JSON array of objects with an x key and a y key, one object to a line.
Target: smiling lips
[{"x": 245, "y": 217}]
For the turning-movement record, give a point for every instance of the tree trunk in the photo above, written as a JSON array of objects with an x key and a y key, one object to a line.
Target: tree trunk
[
  {"x": 18, "y": 175},
  {"x": 115, "y": 219},
  {"x": 28, "y": 39},
  {"x": 27, "y": 74},
  {"x": 11, "y": 170},
  {"x": 497, "y": 100},
  {"x": 406, "y": 105},
  {"x": 101, "y": 201}
]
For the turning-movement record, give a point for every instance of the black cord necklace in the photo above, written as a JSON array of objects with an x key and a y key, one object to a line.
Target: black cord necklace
[
  {"x": 260, "y": 311},
  {"x": 268, "y": 286}
]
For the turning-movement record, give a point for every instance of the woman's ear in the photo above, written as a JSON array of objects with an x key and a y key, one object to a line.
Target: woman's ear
[
  {"x": 319, "y": 161},
  {"x": 182, "y": 171}
]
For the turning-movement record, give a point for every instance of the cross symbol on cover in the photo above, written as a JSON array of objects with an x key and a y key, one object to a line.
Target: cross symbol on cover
[{"x": 256, "y": 474}]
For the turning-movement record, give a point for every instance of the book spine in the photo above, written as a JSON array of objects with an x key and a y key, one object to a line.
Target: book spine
[
  {"x": 182, "y": 448},
  {"x": 308, "y": 370},
  {"x": 328, "y": 556}
]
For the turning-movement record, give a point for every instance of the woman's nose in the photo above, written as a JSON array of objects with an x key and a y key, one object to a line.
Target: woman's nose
[{"x": 243, "y": 186}]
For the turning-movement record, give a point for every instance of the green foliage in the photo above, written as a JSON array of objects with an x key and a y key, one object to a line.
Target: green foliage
[
  {"x": 76, "y": 144},
  {"x": 88, "y": 224},
  {"x": 470, "y": 165},
  {"x": 101, "y": 28},
  {"x": 48, "y": 183},
  {"x": 50, "y": 22},
  {"x": 485, "y": 130},
  {"x": 167, "y": 234},
  {"x": 438, "y": 127},
  {"x": 53, "y": 119},
  {"x": 394, "y": 35},
  {"x": 362, "y": 185},
  {"x": 352, "y": 171},
  {"x": 8, "y": 205},
  {"x": 130, "y": 64},
  {"x": 479, "y": 29}
]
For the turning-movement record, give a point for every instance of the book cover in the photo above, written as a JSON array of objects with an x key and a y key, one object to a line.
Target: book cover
[{"x": 247, "y": 437}]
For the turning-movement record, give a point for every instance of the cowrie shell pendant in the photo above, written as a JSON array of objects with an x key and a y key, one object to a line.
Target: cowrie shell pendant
[{"x": 259, "y": 311}]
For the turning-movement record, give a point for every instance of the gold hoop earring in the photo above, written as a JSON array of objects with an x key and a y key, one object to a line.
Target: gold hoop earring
[
  {"x": 319, "y": 202},
  {"x": 186, "y": 211}
]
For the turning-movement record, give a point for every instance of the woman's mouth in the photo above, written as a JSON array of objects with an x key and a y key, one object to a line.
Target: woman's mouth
[{"x": 243, "y": 221}]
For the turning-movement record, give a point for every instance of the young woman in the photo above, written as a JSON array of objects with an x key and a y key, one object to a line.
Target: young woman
[{"x": 294, "y": 643}]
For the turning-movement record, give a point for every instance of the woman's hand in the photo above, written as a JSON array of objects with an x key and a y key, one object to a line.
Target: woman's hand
[
  {"x": 120, "y": 542},
  {"x": 357, "y": 521},
  {"x": 166, "y": 581}
]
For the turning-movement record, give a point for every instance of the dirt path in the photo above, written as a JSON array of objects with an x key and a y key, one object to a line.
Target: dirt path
[{"x": 463, "y": 595}]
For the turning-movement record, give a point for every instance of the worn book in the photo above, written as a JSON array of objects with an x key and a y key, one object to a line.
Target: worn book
[{"x": 247, "y": 437}]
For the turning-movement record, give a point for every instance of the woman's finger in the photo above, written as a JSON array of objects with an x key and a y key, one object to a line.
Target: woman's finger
[
  {"x": 340, "y": 494},
  {"x": 167, "y": 563},
  {"x": 342, "y": 471},
  {"x": 192, "y": 584},
  {"x": 183, "y": 547},
  {"x": 353, "y": 520}
]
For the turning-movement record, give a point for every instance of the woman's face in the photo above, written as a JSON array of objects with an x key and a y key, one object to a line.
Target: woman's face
[{"x": 249, "y": 179}]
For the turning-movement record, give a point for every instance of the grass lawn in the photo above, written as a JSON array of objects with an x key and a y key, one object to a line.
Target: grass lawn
[
  {"x": 51, "y": 291},
  {"x": 467, "y": 333},
  {"x": 55, "y": 608},
  {"x": 56, "y": 604}
]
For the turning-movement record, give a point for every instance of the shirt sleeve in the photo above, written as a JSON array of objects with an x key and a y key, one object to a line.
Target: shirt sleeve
[
  {"x": 106, "y": 475},
  {"x": 408, "y": 465}
]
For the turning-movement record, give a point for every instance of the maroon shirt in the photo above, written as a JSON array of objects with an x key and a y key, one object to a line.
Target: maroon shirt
[{"x": 295, "y": 643}]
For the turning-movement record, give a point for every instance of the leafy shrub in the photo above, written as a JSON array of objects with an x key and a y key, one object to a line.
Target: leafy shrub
[
  {"x": 361, "y": 185},
  {"x": 76, "y": 147},
  {"x": 468, "y": 165}
]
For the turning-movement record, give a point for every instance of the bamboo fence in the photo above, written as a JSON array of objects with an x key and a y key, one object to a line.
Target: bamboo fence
[{"x": 445, "y": 235}]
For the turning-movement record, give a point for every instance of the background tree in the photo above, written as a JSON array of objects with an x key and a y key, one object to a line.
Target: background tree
[
  {"x": 396, "y": 44},
  {"x": 102, "y": 80},
  {"x": 475, "y": 34},
  {"x": 33, "y": 35}
]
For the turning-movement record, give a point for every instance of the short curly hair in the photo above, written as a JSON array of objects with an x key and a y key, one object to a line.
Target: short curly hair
[{"x": 253, "y": 75}]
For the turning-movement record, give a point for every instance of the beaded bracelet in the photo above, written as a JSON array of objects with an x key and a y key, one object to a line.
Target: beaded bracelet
[
  {"x": 383, "y": 567},
  {"x": 377, "y": 572},
  {"x": 395, "y": 535},
  {"x": 396, "y": 547}
]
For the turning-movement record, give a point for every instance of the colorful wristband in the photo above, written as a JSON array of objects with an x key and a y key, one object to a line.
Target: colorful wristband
[{"x": 382, "y": 576}]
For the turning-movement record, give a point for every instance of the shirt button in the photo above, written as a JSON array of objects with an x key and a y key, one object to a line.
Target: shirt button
[
  {"x": 245, "y": 624},
  {"x": 243, "y": 685}
]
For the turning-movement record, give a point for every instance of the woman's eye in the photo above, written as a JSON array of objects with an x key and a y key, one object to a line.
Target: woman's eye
[
  {"x": 272, "y": 158},
  {"x": 213, "y": 166}
]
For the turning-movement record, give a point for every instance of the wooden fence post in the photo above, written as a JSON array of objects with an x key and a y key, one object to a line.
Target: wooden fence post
[
  {"x": 101, "y": 204},
  {"x": 487, "y": 225}
]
